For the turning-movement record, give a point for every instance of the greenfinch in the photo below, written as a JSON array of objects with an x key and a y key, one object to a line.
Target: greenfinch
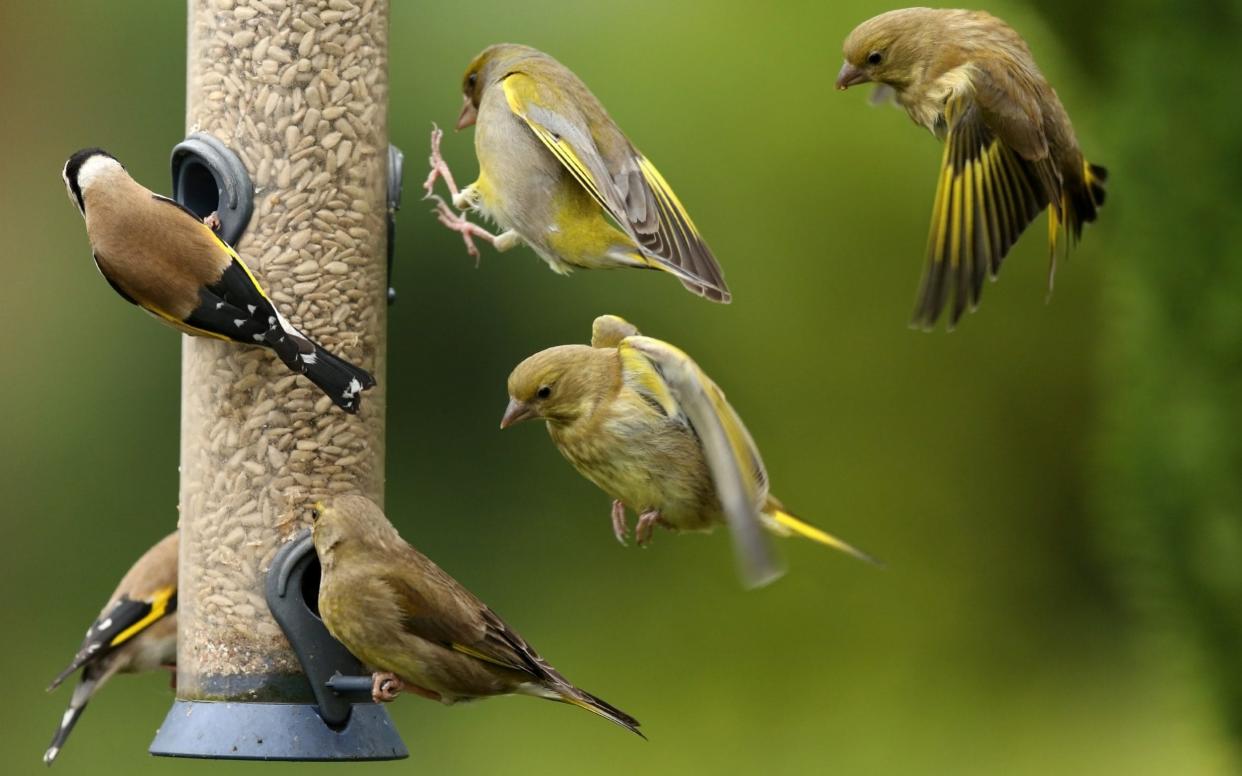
[
  {"x": 400, "y": 614},
  {"x": 557, "y": 173},
  {"x": 161, "y": 257},
  {"x": 136, "y": 631},
  {"x": 1010, "y": 150},
  {"x": 637, "y": 417}
]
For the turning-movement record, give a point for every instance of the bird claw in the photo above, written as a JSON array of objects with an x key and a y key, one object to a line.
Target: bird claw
[
  {"x": 385, "y": 687},
  {"x": 213, "y": 221},
  {"x": 646, "y": 526},
  {"x": 463, "y": 226},
  {"x": 439, "y": 168},
  {"x": 619, "y": 528}
]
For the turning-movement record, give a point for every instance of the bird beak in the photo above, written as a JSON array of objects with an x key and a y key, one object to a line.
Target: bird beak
[
  {"x": 516, "y": 412},
  {"x": 468, "y": 113},
  {"x": 850, "y": 76}
]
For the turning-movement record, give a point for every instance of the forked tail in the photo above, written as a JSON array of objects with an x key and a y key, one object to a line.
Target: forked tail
[{"x": 340, "y": 380}]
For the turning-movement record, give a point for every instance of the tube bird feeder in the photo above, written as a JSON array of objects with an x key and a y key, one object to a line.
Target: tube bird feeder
[{"x": 296, "y": 91}]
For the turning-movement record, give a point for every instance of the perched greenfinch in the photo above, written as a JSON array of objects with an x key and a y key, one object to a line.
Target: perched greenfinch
[
  {"x": 161, "y": 257},
  {"x": 556, "y": 172},
  {"x": 637, "y": 417},
  {"x": 1010, "y": 151},
  {"x": 136, "y": 631},
  {"x": 416, "y": 626}
]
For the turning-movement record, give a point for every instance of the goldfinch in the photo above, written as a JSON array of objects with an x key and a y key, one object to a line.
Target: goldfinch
[
  {"x": 557, "y": 173},
  {"x": 1010, "y": 150},
  {"x": 136, "y": 631},
  {"x": 160, "y": 256},
  {"x": 637, "y": 417},
  {"x": 420, "y": 630}
]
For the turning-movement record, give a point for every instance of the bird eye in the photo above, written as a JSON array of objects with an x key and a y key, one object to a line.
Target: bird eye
[
  {"x": 472, "y": 79},
  {"x": 314, "y": 514},
  {"x": 874, "y": 58},
  {"x": 544, "y": 392}
]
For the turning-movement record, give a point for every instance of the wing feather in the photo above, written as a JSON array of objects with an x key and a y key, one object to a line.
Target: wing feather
[
  {"x": 625, "y": 184},
  {"x": 733, "y": 459}
]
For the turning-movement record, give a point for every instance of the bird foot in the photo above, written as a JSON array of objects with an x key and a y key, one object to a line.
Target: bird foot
[
  {"x": 385, "y": 687},
  {"x": 463, "y": 226},
  {"x": 619, "y": 528},
  {"x": 213, "y": 221},
  {"x": 647, "y": 522},
  {"x": 439, "y": 168}
]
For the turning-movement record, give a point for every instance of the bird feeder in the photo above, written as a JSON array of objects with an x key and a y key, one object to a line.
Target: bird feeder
[{"x": 287, "y": 117}]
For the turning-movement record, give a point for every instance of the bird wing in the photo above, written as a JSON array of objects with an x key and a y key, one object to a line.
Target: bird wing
[
  {"x": 607, "y": 331},
  {"x": 669, "y": 377},
  {"x": 123, "y": 620},
  {"x": 624, "y": 182},
  {"x": 438, "y": 609},
  {"x": 995, "y": 178}
]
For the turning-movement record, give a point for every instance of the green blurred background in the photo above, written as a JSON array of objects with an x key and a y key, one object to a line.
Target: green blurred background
[{"x": 1055, "y": 486}]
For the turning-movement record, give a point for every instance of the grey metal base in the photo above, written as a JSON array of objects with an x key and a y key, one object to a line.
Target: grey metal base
[{"x": 275, "y": 731}]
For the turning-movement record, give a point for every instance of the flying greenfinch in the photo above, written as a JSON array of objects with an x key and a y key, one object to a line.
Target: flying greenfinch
[
  {"x": 557, "y": 173},
  {"x": 1010, "y": 151},
  {"x": 416, "y": 626},
  {"x": 637, "y": 417},
  {"x": 136, "y": 631}
]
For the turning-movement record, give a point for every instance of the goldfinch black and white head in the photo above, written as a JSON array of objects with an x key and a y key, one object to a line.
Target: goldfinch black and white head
[{"x": 85, "y": 169}]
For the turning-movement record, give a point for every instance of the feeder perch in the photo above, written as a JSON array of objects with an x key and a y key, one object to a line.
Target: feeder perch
[{"x": 209, "y": 178}]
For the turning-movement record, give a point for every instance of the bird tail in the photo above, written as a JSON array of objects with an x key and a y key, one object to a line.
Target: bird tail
[
  {"x": 583, "y": 699},
  {"x": 77, "y": 704},
  {"x": 1080, "y": 204},
  {"x": 340, "y": 380},
  {"x": 780, "y": 522}
]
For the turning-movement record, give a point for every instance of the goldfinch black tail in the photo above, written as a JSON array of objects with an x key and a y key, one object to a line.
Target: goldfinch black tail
[
  {"x": 77, "y": 704},
  {"x": 235, "y": 308},
  {"x": 340, "y": 380}
]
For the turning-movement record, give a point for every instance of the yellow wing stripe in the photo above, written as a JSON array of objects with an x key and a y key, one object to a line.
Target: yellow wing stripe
[
  {"x": 638, "y": 367},
  {"x": 474, "y": 653},
  {"x": 182, "y": 325},
  {"x": 159, "y": 608},
  {"x": 661, "y": 188},
  {"x": 513, "y": 87}
]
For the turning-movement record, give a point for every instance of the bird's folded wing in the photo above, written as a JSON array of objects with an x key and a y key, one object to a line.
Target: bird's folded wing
[
  {"x": 682, "y": 388},
  {"x": 624, "y": 182},
  {"x": 438, "y": 609},
  {"x": 124, "y": 620}
]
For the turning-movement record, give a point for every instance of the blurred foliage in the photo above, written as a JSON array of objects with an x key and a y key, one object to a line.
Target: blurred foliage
[
  {"x": 1024, "y": 477},
  {"x": 1171, "y": 379}
]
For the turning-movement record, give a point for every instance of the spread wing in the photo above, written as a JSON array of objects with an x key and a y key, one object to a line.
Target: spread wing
[
  {"x": 607, "y": 331},
  {"x": 671, "y": 378},
  {"x": 124, "y": 620},
  {"x": 438, "y": 609},
  {"x": 995, "y": 178},
  {"x": 624, "y": 182}
]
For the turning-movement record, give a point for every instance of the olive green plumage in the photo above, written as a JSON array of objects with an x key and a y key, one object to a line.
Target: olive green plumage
[
  {"x": 398, "y": 612},
  {"x": 556, "y": 172},
  {"x": 1010, "y": 150},
  {"x": 642, "y": 421}
]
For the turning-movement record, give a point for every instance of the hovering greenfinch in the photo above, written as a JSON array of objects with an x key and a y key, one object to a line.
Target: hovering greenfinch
[
  {"x": 637, "y": 417},
  {"x": 136, "y": 631},
  {"x": 557, "y": 173},
  {"x": 161, "y": 257},
  {"x": 1010, "y": 151},
  {"x": 416, "y": 626}
]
